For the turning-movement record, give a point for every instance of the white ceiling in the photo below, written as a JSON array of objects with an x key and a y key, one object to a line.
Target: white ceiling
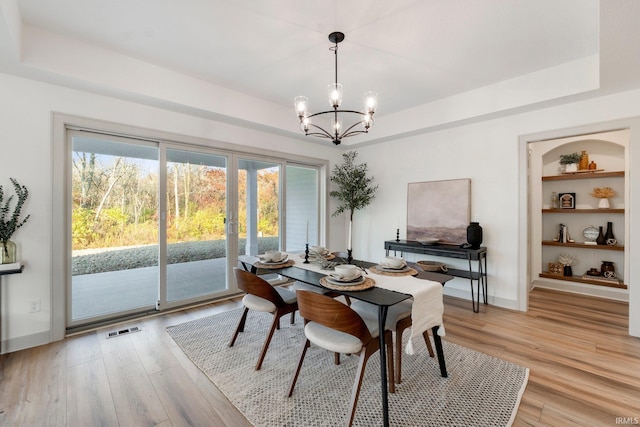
[{"x": 412, "y": 52}]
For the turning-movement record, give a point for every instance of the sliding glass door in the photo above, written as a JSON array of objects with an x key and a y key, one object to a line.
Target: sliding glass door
[
  {"x": 259, "y": 206},
  {"x": 114, "y": 226},
  {"x": 196, "y": 211},
  {"x": 157, "y": 225}
]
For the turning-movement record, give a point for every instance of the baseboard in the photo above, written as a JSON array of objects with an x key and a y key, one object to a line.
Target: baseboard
[
  {"x": 24, "y": 342},
  {"x": 491, "y": 300}
]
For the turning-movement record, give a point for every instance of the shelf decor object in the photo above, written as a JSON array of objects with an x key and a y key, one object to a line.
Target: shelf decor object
[
  {"x": 567, "y": 200},
  {"x": 603, "y": 193},
  {"x": 570, "y": 162},
  {"x": 590, "y": 235},
  {"x": 609, "y": 237},
  {"x": 337, "y": 129}
]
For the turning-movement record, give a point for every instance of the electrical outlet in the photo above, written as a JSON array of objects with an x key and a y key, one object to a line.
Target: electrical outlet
[{"x": 34, "y": 305}]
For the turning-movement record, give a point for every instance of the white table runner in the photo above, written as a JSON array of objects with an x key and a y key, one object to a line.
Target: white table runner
[{"x": 428, "y": 305}]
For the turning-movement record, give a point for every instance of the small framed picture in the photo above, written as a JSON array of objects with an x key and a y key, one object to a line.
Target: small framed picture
[
  {"x": 567, "y": 200},
  {"x": 556, "y": 269}
]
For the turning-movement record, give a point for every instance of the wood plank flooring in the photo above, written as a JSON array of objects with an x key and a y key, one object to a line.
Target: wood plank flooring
[{"x": 585, "y": 369}]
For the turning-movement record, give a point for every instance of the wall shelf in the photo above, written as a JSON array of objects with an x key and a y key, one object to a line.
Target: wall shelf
[
  {"x": 583, "y": 246},
  {"x": 580, "y": 279},
  {"x": 580, "y": 211},
  {"x": 566, "y": 177}
]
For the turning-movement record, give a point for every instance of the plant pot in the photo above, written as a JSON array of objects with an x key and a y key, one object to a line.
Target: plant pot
[
  {"x": 603, "y": 203},
  {"x": 7, "y": 252},
  {"x": 568, "y": 271},
  {"x": 571, "y": 167}
]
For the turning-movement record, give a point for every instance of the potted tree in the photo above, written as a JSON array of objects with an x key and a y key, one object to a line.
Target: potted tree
[
  {"x": 355, "y": 189},
  {"x": 9, "y": 224},
  {"x": 570, "y": 161}
]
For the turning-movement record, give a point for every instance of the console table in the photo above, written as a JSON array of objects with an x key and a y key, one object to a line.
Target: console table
[
  {"x": 479, "y": 256},
  {"x": 3, "y": 273}
]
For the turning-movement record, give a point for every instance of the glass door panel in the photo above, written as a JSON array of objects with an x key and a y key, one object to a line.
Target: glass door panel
[
  {"x": 195, "y": 225},
  {"x": 114, "y": 221},
  {"x": 258, "y": 206},
  {"x": 302, "y": 207}
]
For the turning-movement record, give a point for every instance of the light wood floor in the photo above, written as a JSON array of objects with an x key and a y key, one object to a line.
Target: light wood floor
[{"x": 585, "y": 369}]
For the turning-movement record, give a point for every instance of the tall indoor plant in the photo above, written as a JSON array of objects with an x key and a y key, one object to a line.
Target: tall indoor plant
[
  {"x": 355, "y": 189},
  {"x": 10, "y": 222}
]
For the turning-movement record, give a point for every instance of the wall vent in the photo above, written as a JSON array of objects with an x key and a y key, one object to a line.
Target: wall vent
[{"x": 125, "y": 331}]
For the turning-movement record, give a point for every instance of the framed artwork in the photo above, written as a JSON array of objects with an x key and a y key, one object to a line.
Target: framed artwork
[
  {"x": 439, "y": 209},
  {"x": 567, "y": 200}
]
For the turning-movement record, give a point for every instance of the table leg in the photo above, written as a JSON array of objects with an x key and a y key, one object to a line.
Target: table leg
[
  {"x": 382, "y": 319},
  {"x": 439, "y": 351}
]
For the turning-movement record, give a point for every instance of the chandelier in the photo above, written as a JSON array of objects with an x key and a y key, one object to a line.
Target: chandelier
[{"x": 338, "y": 129}]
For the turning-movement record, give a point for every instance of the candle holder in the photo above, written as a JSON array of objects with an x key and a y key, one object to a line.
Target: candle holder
[
  {"x": 306, "y": 253},
  {"x": 349, "y": 257},
  {"x": 397, "y": 234}
]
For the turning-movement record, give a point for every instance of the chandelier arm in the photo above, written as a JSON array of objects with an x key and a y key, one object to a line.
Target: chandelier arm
[
  {"x": 348, "y": 131},
  {"x": 323, "y": 133},
  {"x": 337, "y": 111}
]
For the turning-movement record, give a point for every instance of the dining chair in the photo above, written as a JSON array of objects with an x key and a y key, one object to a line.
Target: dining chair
[
  {"x": 262, "y": 296},
  {"x": 398, "y": 319},
  {"x": 334, "y": 326}
]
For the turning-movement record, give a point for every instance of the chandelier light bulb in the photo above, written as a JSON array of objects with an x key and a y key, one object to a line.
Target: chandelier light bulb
[
  {"x": 335, "y": 95},
  {"x": 370, "y": 102},
  {"x": 301, "y": 103}
]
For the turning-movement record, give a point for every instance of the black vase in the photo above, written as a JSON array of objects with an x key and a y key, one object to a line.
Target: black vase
[
  {"x": 609, "y": 237},
  {"x": 601, "y": 240},
  {"x": 474, "y": 235},
  {"x": 567, "y": 271}
]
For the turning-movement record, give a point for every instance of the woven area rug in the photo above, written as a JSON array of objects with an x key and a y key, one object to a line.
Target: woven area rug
[{"x": 480, "y": 391}]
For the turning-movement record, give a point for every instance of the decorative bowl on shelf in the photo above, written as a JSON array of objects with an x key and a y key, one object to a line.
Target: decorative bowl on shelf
[{"x": 428, "y": 240}]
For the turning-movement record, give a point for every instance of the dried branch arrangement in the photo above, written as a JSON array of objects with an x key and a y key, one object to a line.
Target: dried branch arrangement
[{"x": 603, "y": 192}]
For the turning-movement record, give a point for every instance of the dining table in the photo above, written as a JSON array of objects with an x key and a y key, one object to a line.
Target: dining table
[{"x": 425, "y": 289}]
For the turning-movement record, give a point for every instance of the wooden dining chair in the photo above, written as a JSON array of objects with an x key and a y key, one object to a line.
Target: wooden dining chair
[
  {"x": 334, "y": 326},
  {"x": 262, "y": 296},
  {"x": 398, "y": 319}
]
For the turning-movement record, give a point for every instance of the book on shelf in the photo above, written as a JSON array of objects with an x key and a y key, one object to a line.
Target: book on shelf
[{"x": 11, "y": 266}]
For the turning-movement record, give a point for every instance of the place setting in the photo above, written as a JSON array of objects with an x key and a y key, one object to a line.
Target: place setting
[
  {"x": 393, "y": 266},
  {"x": 347, "y": 277},
  {"x": 274, "y": 259},
  {"x": 320, "y": 252}
]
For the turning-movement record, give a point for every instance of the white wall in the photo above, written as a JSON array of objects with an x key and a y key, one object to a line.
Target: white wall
[
  {"x": 491, "y": 155},
  {"x": 487, "y": 152}
]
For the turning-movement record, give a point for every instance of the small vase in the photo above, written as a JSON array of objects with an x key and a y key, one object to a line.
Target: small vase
[
  {"x": 567, "y": 271},
  {"x": 601, "y": 240},
  {"x": 7, "y": 252},
  {"x": 608, "y": 270},
  {"x": 609, "y": 237},
  {"x": 474, "y": 235},
  {"x": 571, "y": 167},
  {"x": 603, "y": 203},
  {"x": 584, "y": 161}
]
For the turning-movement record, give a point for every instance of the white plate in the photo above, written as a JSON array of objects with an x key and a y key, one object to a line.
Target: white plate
[
  {"x": 393, "y": 270},
  {"x": 336, "y": 278},
  {"x": 282, "y": 261},
  {"x": 387, "y": 267},
  {"x": 360, "y": 280}
]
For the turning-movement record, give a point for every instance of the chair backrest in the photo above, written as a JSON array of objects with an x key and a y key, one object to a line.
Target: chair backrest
[
  {"x": 333, "y": 314},
  {"x": 256, "y": 285}
]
